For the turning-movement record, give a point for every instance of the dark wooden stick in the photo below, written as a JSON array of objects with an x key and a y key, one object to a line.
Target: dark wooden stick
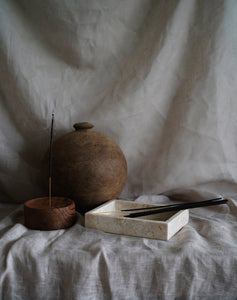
[
  {"x": 161, "y": 206},
  {"x": 179, "y": 207},
  {"x": 169, "y": 205},
  {"x": 50, "y": 162}
]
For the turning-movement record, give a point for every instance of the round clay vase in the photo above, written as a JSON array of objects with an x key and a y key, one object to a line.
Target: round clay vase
[
  {"x": 87, "y": 167},
  {"x": 38, "y": 214}
]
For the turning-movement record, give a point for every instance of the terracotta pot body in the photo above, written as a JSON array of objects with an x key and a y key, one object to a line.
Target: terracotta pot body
[{"x": 87, "y": 167}]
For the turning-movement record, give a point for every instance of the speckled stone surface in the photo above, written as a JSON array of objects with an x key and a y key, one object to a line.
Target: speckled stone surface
[{"x": 159, "y": 226}]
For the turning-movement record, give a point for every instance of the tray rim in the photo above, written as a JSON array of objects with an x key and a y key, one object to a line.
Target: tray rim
[{"x": 170, "y": 219}]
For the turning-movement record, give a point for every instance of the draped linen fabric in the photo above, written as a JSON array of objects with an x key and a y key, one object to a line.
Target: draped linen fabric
[
  {"x": 199, "y": 262},
  {"x": 159, "y": 78}
]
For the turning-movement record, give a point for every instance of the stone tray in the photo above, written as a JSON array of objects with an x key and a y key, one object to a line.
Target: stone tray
[{"x": 158, "y": 226}]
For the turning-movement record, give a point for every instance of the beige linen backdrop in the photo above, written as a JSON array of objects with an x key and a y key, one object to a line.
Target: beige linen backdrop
[{"x": 158, "y": 77}]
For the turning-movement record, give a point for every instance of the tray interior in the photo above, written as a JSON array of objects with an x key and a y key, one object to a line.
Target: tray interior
[{"x": 121, "y": 204}]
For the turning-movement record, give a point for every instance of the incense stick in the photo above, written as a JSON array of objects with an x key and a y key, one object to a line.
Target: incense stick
[
  {"x": 178, "y": 207},
  {"x": 50, "y": 162},
  {"x": 156, "y": 207}
]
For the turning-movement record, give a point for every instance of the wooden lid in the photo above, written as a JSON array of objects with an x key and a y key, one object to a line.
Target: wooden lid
[{"x": 83, "y": 126}]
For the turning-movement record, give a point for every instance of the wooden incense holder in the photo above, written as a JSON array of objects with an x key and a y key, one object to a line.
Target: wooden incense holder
[{"x": 39, "y": 216}]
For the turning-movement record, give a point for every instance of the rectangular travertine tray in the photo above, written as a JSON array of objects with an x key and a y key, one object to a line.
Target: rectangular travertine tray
[{"x": 159, "y": 226}]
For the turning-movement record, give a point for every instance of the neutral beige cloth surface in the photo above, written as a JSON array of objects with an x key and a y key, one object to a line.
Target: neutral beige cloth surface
[{"x": 199, "y": 262}]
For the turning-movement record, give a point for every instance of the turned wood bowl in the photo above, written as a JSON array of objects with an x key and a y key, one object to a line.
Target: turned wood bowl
[{"x": 39, "y": 216}]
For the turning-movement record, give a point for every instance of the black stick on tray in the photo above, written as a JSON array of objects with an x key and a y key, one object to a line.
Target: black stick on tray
[
  {"x": 178, "y": 207},
  {"x": 50, "y": 162},
  {"x": 170, "y": 205}
]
